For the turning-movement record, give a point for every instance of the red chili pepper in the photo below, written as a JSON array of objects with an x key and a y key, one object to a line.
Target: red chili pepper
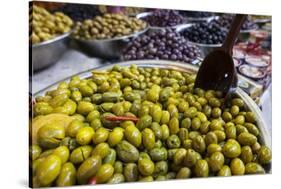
[
  {"x": 121, "y": 118},
  {"x": 92, "y": 180}
]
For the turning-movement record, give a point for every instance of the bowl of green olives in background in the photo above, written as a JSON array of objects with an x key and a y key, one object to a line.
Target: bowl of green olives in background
[
  {"x": 107, "y": 35},
  {"x": 171, "y": 131},
  {"x": 49, "y": 36}
]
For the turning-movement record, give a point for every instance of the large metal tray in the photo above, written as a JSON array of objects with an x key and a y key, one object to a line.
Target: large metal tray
[{"x": 265, "y": 137}]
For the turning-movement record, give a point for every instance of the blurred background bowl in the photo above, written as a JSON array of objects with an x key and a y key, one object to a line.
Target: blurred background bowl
[
  {"x": 48, "y": 52},
  {"x": 204, "y": 48},
  {"x": 106, "y": 48},
  {"x": 156, "y": 28}
]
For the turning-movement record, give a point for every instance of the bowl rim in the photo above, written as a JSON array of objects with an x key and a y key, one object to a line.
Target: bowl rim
[
  {"x": 113, "y": 39},
  {"x": 146, "y": 14},
  {"x": 57, "y": 38}
]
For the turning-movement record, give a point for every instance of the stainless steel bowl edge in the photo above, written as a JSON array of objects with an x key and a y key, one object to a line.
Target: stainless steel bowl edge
[{"x": 48, "y": 52}]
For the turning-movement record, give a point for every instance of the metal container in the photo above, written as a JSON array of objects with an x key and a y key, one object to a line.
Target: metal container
[
  {"x": 106, "y": 48},
  {"x": 265, "y": 138},
  {"x": 48, "y": 52},
  {"x": 156, "y": 28},
  {"x": 205, "y": 48}
]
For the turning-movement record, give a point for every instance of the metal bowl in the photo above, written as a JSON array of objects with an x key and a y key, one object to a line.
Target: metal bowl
[
  {"x": 249, "y": 103},
  {"x": 106, "y": 48},
  {"x": 204, "y": 48},
  {"x": 156, "y": 28},
  {"x": 48, "y": 52}
]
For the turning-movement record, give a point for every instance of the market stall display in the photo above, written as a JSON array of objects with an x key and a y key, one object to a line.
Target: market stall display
[
  {"x": 142, "y": 120},
  {"x": 46, "y": 26},
  {"x": 106, "y": 36},
  {"x": 162, "y": 18},
  {"x": 79, "y": 12},
  {"x": 225, "y": 20},
  {"x": 82, "y": 129},
  {"x": 205, "y": 33},
  {"x": 163, "y": 44},
  {"x": 48, "y": 36},
  {"x": 108, "y": 26}
]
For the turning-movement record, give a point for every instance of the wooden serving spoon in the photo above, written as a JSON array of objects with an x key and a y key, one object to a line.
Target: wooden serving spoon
[{"x": 217, "y": 71}]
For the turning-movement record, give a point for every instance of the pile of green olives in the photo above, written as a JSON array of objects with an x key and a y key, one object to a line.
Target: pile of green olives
[
  {"x": 108, "y": 26},
  {"x": 179, "y": 132},
  {"x": 46, "y": 26}
]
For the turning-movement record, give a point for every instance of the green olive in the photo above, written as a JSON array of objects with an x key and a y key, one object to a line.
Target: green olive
[
  {"x": 133, "y": 135},
  {"x": 115, "y": 136},
  {"x": 116, "y": 178},
  {"x": 161, "y": 168},
  {"x": 156, "y": 113},
  {"x": 146, "y": 167},
  {"x": 85, "y": 135},
  {"x": 264, "y": 155},
  {"x": 158, "y": 154},
  {"x": 148, "y": 138},
  {"x": 48, "y": 170},
  {"x": 165, "y": 117},
  {"x": 144, "y": 122},
  {"x": 118, "y": 167},
  {"x": 85, "y": 108},
  {"x": 191, "y": 158},
  {"x": 247, "y": 139},
  {"x": 173, "y": 141},
  {"x": 195, "y": 123},
  {"x": 238, "y": 102},
  {"x": 74, "y": 127},
  {"x": 230, "y": 131},
  {"x": 50, "y": 135},
  {"x": 231, "y": 148},
  {"x": 225, "y": 171},
  {"x": 67, "y": 176},
  {"x": 237, "y": 167},
  {"x": 174, "y": 125},
  {"x": 131, "y": 173},
  {"x": 34, "y": 151},
  {"x": 104, "y": 173},
  {"x": 63, "y": 153},
  {"x": 88, "y": 169},
  {"x": 201, "y": 168},
  {"x": 179, "y": 156},
  {"x": 156, "y": 128},
  {"x": 102, "y": 150},
  {"x": 250, "y": 117},
  {"x": 216, "y": 161},
  {"x": 110, "y": 158},
  {"x": 101, "y": 135},
  {"x": 80, "y": 154},
  {"x": 93, "y": 115},
  {"x": 246, "y": 154},
  {"x": 226, "y": 116},
  {"x": 127, "y": 152},
  {"x": 198, "y": 144},
  {"x": 146, "y": 179},
  {"x": 165, "y": 132},
  {"x": 183, "y": 173},
  {"x": 186, "y": 123},
  {"x": 254, "y": 168},
  {"x": 211, "y": 138},
  {"x": 183, "y": 134},
  {"x": 252, "y": 129},
  {"x": 212, "y": 148}
]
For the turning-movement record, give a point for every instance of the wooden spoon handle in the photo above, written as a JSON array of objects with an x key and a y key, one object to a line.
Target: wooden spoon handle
[{"x": 233, "y": 32}]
